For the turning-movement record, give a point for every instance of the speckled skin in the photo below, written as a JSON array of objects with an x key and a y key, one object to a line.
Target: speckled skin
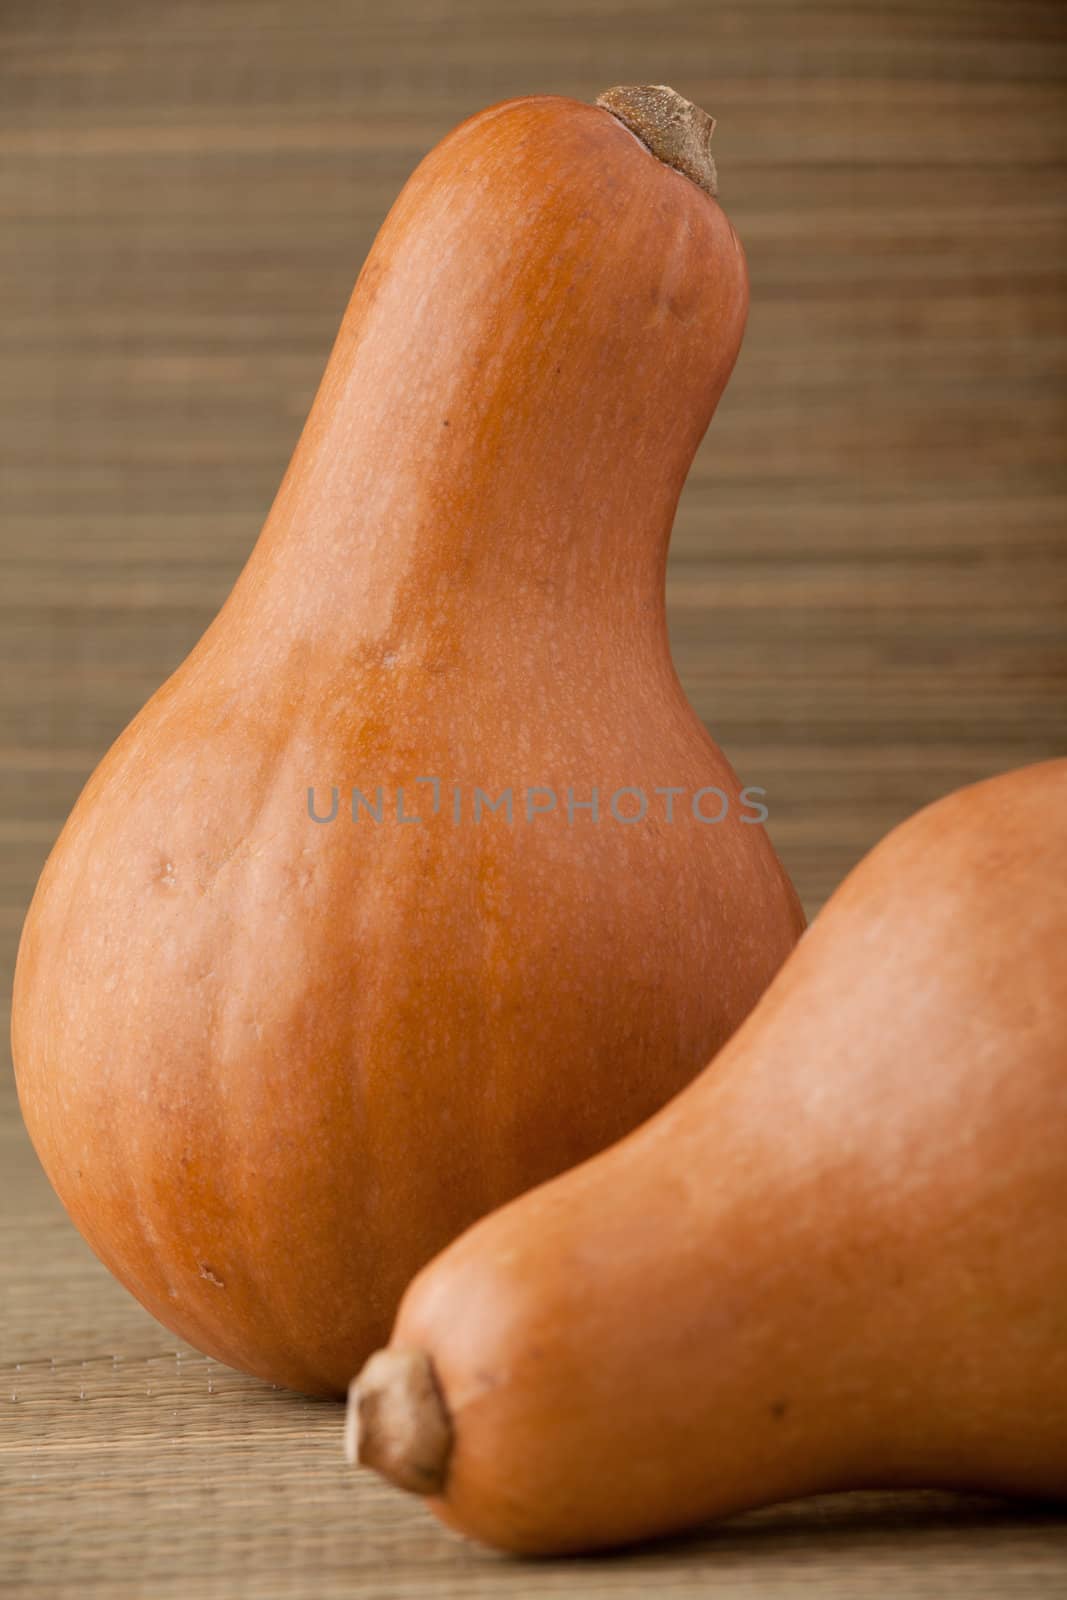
[
  {"x": 837, "y": 1260},
  {"x": 271, "y": 1067}
]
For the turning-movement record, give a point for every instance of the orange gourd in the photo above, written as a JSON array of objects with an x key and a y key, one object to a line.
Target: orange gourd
[
  {"x": 272, "y": 1065},
  {"x": 838, "y": 1259}
]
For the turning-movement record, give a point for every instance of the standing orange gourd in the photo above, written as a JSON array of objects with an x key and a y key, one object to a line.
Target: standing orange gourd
[{"x": 272, "y": 1065}]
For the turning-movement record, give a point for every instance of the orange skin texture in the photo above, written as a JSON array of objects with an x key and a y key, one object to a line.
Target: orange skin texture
[
  {"x": 272, "y": 1067},
  {"x": 838, "y": 1259}
]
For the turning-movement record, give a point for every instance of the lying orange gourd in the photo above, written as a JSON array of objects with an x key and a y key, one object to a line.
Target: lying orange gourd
[
  {"x": 837, "y": 1259},
  {"x": 272, "y": 1065}
]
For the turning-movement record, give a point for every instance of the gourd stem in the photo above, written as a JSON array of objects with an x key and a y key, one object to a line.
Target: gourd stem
[
  {"x": 398, "y": 1422},
  {"x": 675, "y": 130}
]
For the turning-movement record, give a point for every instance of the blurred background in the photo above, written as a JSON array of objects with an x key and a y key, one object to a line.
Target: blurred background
[{"x": 868, "y": 580}]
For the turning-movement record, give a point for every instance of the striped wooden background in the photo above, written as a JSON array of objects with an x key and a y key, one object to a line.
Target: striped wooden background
[{"x": 868, "y": 589}]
